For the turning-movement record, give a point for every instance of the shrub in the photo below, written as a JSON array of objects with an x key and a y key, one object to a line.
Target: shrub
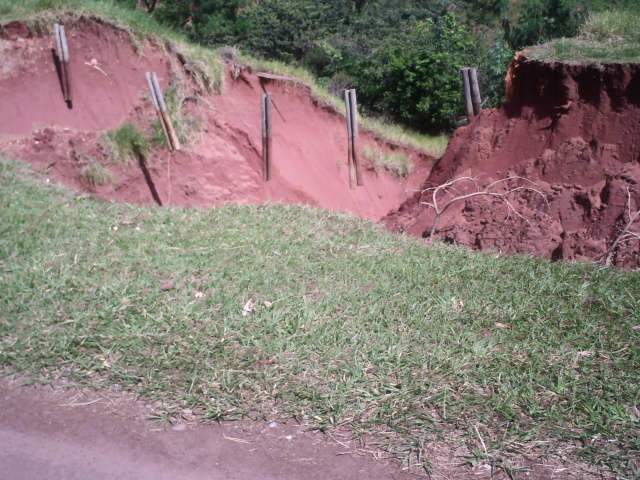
[
  {"x": 287, "y": 29},
  {"x": 542, "y": 20},
  {"x": 416, "y": 79},
  {"x": 206, "y": 21},
  {"x": 492, "y": 71}
]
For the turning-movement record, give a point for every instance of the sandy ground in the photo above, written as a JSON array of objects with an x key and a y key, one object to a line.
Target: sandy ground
[{"x": 53, "y": 434}]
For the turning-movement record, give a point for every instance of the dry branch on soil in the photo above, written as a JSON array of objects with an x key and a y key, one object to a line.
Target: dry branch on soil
[
  {"x": 441, "y": 200},
  {"x": 626, "y": 233}
]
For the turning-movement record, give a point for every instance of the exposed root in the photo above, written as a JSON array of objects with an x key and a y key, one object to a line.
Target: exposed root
[
  {"x": 491, "y": 190},
  {"x": 626, "y": 233}
]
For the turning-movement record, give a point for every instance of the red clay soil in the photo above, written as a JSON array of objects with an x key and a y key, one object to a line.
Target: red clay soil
[
  {"x": 107, "y": 78},
  {"x": 221, "y": 164},
  {"x": 575, "y": 132}
]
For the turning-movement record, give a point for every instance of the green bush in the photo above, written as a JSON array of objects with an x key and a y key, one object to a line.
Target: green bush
[
  {"x": 286, "y": 29},
  {"x": 492, "y": 71},
  {"x": 542, "y": 20},
  {"x": 206, "y": 21},
  {"x": 416, "y": 79}
]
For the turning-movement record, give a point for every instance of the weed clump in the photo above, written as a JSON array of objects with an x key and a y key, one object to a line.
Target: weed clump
[
  {"x": 125, "y": 144},
  {"x": 95, "y": 174},
  {"x": 397, "y": 163}
]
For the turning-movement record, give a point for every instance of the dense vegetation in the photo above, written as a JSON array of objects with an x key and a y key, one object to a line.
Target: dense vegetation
[{"x": 402, "y": 55}]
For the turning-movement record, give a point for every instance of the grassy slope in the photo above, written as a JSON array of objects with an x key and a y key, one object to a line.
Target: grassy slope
[
  {"x": 365, "y": 328},
  {"x": 611, "y": 36},
  {"x": 141, "y": 24}
]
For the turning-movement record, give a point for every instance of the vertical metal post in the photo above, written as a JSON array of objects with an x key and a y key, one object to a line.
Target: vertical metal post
[
  {"x": 347, "y": 102},
  {"x": 65, "y": 64},
  {"x": 60, "y": 50},
  {"x": 476, "y": 99},
  {"x": 353, "y": 113},
  {"x": 467, "y": 92},
  {"x": 267, "y": 143},
  {"x": 163, "y": 113}
]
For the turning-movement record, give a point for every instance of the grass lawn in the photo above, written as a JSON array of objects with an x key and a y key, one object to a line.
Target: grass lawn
[
  {"x": 350, "y": 326},
  {"x": 610, "y": 36}
]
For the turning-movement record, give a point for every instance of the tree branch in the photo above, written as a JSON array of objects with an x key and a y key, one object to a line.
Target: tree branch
[{"x": 626, "y": 233}]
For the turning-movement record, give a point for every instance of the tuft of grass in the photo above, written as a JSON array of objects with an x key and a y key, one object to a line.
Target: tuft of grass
[
  {"x": 352, "y": 326},
  {"x": 95, "y": 174},
  {"x": 125, "y": 144},
  {"x": 611, "y": 36},
  {"x": 397, "y": 163}
]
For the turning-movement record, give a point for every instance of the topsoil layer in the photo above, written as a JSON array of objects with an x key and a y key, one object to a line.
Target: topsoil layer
[{"x": 572, "y": 133}]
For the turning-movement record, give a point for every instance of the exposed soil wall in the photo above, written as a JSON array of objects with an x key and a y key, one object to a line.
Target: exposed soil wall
[
  {"x": 221, "y": 164},
  {"x": 106, "y": 78},
  {"x": 574, "y": 131}
]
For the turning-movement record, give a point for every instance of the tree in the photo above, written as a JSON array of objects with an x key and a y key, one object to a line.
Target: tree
[
  {"x": 542, "y": 20},
  {"x": 206, "y": 21},
  {"x": 416, "y": 78},
  {"x": 148, "y": 5}
]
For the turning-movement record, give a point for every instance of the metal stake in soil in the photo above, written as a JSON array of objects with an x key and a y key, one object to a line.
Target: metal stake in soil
[
  {"x": 62, "y": 55},
  {"x": 161, "y": 108},
  {"x": 267, "y": 143},
  {"x": 347, "y": 102},
  {"x": 353, "y": 115},
  {"x": 466, "y": 83},
  {"x": 157, "y": 97},
  {"x": 476, "y": 99}
]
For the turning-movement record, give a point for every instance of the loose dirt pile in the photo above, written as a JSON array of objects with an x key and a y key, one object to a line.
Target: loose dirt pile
[
  {"x": 574, "y": 131},
  {"x": 222, "y": 161}
]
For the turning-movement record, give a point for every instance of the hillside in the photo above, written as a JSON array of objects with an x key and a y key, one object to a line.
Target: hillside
[
  {"x": 86, "y": 146},
  {"x": 273, "y": 301}
]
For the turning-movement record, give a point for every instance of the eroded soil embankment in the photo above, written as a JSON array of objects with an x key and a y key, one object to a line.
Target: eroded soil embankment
[
  {"x": 572, "y": 130},
  {"x": 220, "y": 162}
]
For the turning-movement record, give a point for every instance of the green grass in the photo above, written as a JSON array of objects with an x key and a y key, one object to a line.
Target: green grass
[
  {"x": 611, "y": 36},
  {"x": 397, "y": 163},
  {"x": 124, "y": 144},
  {"x": 353, "y": 326},
  {"x": 94, "y": 174}
]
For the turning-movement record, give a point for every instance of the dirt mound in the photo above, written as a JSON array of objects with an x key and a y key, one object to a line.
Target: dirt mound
[
  {"x": 574, "y": 131},
  {"x": 221, "y": 163}
]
